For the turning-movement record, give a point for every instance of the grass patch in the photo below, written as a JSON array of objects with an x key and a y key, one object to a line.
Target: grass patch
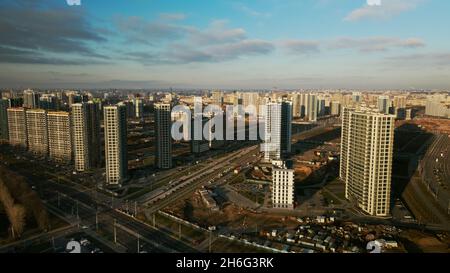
[{"x": 330, "y": 199}]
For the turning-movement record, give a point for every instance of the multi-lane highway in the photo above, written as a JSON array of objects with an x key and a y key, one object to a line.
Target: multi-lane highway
[
  {"x": 90, "y": 214},
  {"x": 187, "y": 185},
  {"x": 436, "y": 171}
]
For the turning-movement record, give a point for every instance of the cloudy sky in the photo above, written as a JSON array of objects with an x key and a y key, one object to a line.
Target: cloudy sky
[{"x": 225, "y": 44}]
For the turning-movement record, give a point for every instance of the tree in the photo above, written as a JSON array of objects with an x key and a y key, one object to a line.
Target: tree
[{"x": 16, "y": 213}]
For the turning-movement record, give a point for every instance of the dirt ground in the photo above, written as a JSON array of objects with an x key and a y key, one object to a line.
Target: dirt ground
[
  {"x": 430, "y": 124},
  {"x": 230, "y": 216},
  {"x": 426, "y": 242}
]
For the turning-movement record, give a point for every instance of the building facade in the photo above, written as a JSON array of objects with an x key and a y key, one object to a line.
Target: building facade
[
  {"x": 286, "y": 126},
  {"x": 282, "y": 187},
  {"x": 272, "y": 131},
  {"x": 4, "y": 134},
  {"x": 115, "y": 122},
  {"x": 311, "y": 107},
  {"x": 59, "y": 136},
  {"x": 37, "y": 133},
  {"x": 17, "y": 127},
  {"x": 30, "y": 99},
  {"x": 366, "y": 159},
  {"x": 163, "y": 126}
]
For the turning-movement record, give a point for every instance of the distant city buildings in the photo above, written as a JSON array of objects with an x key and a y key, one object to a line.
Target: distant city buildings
[
  {"x": 282, "y": 187},
  {"x": 311, "y": 107},
  {"x": 438, "y": 106},
  {"x": 366, "y": 159},
  {"x": 250, "y": 99},
  {"x": 138, "y": 108},
  {"x": 356, "y": 97},
  {"x": 217, "y": 98},
  {"x": 115, "y": 122},
  {"x": 49, "y": 102},
  {"x": 335, "y": 108},
  {"x": 163, "y": 135},
  {"x": 296, "y": 104},
  {"x": 199, "y": 146},
  {"x": 30, "y": 99},
  {"x": 384, "y": 104},
  {"x": 73, "y": 97}
]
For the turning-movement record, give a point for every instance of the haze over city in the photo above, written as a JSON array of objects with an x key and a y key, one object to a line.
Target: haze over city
[{"x": 262, "y": 44}]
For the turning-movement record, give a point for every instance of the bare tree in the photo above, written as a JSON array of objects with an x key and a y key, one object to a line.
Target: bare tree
[{"x": 16, "y": 213}]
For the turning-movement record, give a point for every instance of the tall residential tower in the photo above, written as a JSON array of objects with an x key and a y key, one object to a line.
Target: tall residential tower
[
  {"x": 163, "y": 135},
  {"x": 115, "y": 120},
  {"x": 366, "y": 159}
]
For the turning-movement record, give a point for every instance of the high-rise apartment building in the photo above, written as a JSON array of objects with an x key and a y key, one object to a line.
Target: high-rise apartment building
[
  {"x": 357, "y": 97},
  {"x": 73, "y": 97},
  {"x": 296, "y": 105},
  {"x": 17, "y": 127},
  {"x": 86, "y": 135},
  {"x": 115, "y": 122},
  {"x": 438, "y": 106},
  {"x": 282, "y": 187},
  {"x": 366, "y": 159},
  {"x": 384, "y": 104},
  {"x": 286, "y": 126},
  {"x": 311, "y": 107},
  {"x": 272, "y": 131},
  {"x": 80, "y": 137},
  {"x": 94, "y": 143},
  {"x": 37, "y": 133},
  {"x": 163, "y": 135},
  {"x": 400, "y": 101},
  {"x": 217, "y": 97},
  {"x": 138, "y": 108},
  {"x": 321, "y": 111},
  {"x": 335, "y": 108},
  {"x": 59, "y": 136},
  {"x": 250, "y": 99},
  {"x": 30, "y": 99},
  {"x": 199, "y": 146},
  {"x": 49, "y": 102},
  {"x": 4, "y": 135}
]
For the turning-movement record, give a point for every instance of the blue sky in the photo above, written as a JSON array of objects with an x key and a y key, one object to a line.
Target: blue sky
[{"x": 258, "y": 44}]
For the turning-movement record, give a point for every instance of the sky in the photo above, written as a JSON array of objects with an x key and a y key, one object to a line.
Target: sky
[{"x": 225, "y": 44}]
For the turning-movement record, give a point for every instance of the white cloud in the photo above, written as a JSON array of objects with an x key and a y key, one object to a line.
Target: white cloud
[
  {"x": 374, "y": 44},
  {"x": 301, "y": 46},
  {"x": 251, "y": 12},
  {"x": 387, "y": 9},
  {"x": 217, "y": 32}
]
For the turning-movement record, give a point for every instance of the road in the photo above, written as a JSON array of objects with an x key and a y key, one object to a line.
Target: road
[
  {"x": 436, "y": 171},
  {"x": 203, "y": 177}
]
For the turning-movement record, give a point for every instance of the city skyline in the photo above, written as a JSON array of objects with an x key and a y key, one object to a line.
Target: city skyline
[{"x": 225, "y": 44}]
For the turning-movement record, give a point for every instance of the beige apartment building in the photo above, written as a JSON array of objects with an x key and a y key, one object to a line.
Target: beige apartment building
[
  {"x": 366, "y": 159},
  {"x": 36, "y": 120},
  {"x": 17, "y": 127},
  {"x": 59, "y": 136}
]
